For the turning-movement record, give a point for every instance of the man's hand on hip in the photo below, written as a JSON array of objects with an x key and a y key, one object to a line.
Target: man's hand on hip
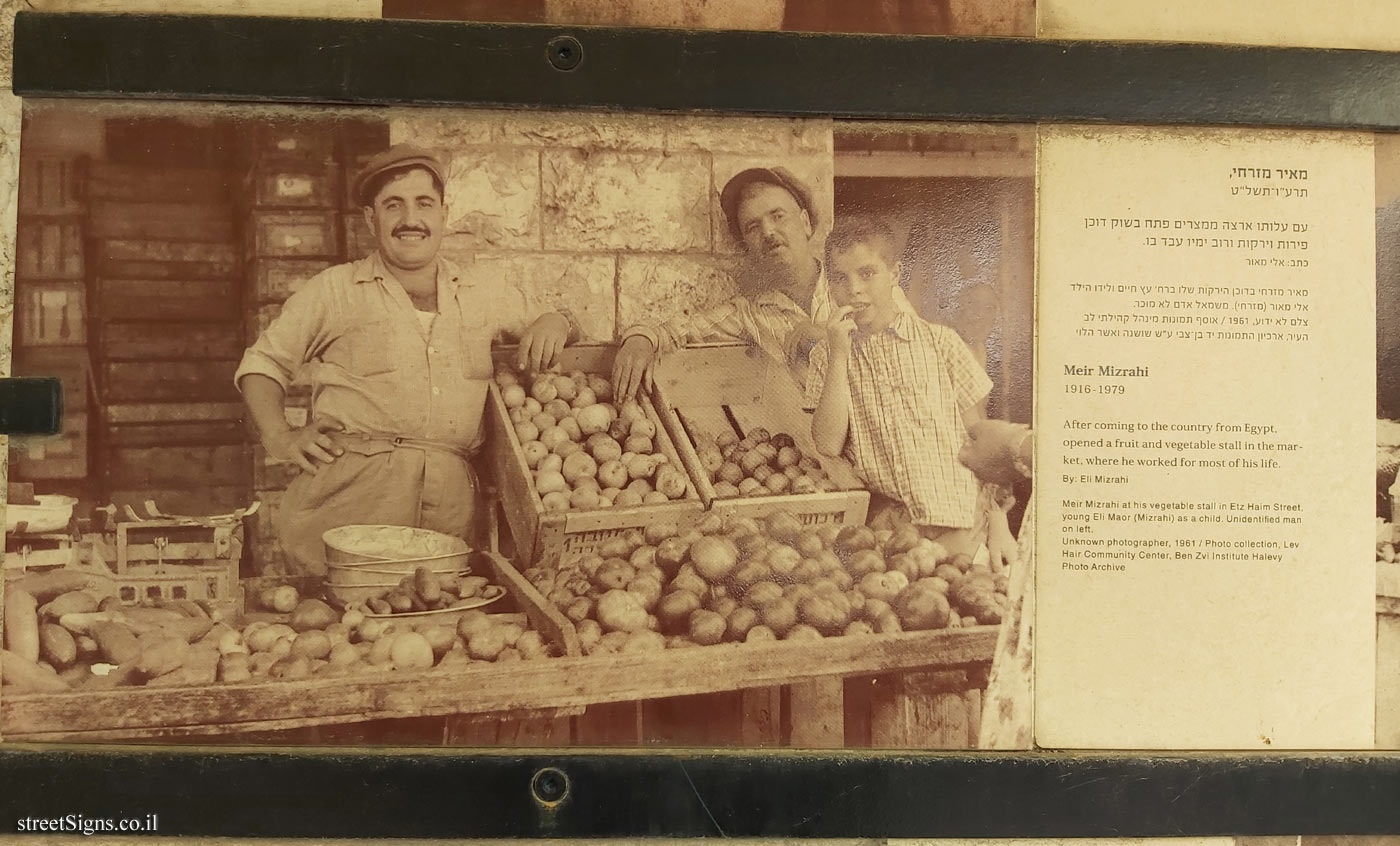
[{"x": 307, "y": 445}]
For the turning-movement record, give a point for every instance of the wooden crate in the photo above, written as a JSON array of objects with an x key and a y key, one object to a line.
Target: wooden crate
[
  {"x": 299, "y": 234},
  {"x": 166, "y": 299},
  {"x": 292, "y": 141},
  {"x": 70, "y": 364},
  {"x": 707, "y": 390},
  {"x": 173, "y": 467},
  {"x": 184, "y": 341},
  {"x": 274, "y": 280},
  {"x": 168, "y": 413},
  {"x": 545, "y": 535},
  {"x": 281, "y": 183},
  {"x": 178, "y": 381},
  {"x": 176, "y": 434},
  {"x": 111, "y": 267},
  {"x": 174, "y": 424},
  {"x": 198, "y": 260},
  {"x": 50, "y": 313},
  {"x": 359, "y": 241},
  {"x": 61, "y": 456},
  {"x": 132, "y": 183},
  {"x": 49, "y": 249},
  {"x": 48, "y": 185},
  {"x": 161, "y": 221}
]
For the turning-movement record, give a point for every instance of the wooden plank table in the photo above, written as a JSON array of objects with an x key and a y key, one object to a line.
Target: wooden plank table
[{"x": 540, "y": 690}]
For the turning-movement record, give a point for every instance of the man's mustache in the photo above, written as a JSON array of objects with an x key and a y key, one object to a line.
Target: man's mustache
[{"x": 401, "y": 230}]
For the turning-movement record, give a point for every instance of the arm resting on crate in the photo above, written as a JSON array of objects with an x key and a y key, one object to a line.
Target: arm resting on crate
[{"x": 830, "y": 385}]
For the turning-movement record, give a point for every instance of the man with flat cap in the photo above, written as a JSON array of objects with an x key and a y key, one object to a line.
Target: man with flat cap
[
  {"x": 397, "y": 347},
  {"x": 770, "y": 213}
]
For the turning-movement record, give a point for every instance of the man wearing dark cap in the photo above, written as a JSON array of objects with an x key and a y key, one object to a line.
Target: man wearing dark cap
[
  {"x": 769, "y": 212},
  {"x": 397, "y": 347}
]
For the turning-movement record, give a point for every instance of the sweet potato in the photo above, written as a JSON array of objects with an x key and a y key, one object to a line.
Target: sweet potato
[
  {"x": 73, "y": 602},
  {"x": 56, "y": 645},
  {"x": 45, "y": 587},
  {"x": 28, "y": 676},
  {"x": 186, "y": 607},
  {"x": 22, "y": 623},
  {"x": 161, "y": 655},
  {"x": 116, "y": 643},
  {"x": 200, "y": 667}
]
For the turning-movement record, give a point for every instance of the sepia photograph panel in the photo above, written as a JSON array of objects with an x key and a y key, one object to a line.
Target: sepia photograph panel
[
  {"x": 891, "y": 17},
  {"x": 488, "y": 428}
]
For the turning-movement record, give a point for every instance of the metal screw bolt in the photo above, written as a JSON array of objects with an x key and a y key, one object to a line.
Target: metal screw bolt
[
  {"x": 550, "y": 785},
  {"x": 564, "y": 52}
]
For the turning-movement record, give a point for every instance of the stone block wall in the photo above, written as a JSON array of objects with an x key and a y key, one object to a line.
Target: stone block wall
[{"x": 615, "y": 216}]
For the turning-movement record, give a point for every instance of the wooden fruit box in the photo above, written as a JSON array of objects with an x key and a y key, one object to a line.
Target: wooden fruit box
[
  {"x": 546, "y": 535},
  {"x": 293, "y": 234},
  {"x": 503, "y": 689},
  {"x": 709, "y": 390},
  {"x": 145, "y": 712}
]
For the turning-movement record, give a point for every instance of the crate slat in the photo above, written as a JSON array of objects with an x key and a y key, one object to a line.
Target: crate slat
[
  {"x": 161, "y": 221},
  {"x": 194, "y": 466},
  {"x": 180, "y": 381},
  {"x": 299, "y": 234},
  {"x": 184, "y": 341},
  {"x": 274, "y": 280},
  {"x": 166, "y": 300},
  {"x": 129, "y": 183}
]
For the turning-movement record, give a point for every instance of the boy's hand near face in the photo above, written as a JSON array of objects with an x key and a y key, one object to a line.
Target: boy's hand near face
[{"x": 838, "y": 332}]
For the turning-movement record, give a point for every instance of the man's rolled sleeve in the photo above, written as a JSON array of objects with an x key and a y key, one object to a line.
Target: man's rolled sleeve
[
  {"x": 816, "y": 377},
  {"x": 728, "y": 321},
  {"x": 285, "y": 345}
]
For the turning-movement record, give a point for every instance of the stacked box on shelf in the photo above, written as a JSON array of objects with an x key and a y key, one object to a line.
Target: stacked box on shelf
[
  {"x": 292, "y": 186},
  {"x": 51, "y": 314},
  {"x": 359, "y": 141},
  {"x": 541, "y": 535},
  {"x": 709, "y": 391},
  {"x": 168, "y": 335}
]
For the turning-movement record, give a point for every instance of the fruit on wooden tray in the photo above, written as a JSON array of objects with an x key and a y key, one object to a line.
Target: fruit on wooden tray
[
  {"x": 739, "y": 579},
  {"x": 585, "y": 451},
  {"x": 760, "y": 464},
  {"x": 425, "y": 590},
  {"x": 181, "y": 645}
]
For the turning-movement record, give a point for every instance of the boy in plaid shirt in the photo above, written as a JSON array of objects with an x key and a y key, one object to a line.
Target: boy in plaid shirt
[{"x": 895, "y": 393}]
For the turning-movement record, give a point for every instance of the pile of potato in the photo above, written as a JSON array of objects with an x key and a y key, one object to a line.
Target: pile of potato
[
  {"x": 585, "y": 451},
  {"x": 60, "y": 636},
  {"x": 744, "y": 580},
  {"x": 760, "y": 464},
  {"x": 429, "y": 591}
]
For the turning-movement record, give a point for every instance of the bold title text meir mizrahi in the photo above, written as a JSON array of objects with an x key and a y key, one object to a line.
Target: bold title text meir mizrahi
[{"x": 1104, "y": 370}]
